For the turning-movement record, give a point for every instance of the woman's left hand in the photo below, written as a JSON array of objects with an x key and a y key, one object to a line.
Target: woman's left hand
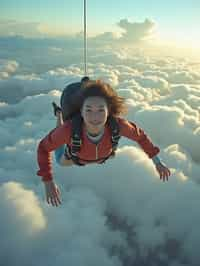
[{"x": 163, "y": 171}]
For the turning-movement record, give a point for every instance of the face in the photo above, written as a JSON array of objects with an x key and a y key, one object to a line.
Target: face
[{"x": 94, "y": 112}]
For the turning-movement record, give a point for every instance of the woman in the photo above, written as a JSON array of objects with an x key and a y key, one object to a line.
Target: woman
[{"x": 98, "y": 102}]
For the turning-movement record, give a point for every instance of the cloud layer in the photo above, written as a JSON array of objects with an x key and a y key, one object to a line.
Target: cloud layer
[
  {"x": 132, "y": 31},
  {"x": 120, "y": 211}
]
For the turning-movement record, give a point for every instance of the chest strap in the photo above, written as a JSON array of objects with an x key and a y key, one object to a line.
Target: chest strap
[{"x": 76, "y": 135}]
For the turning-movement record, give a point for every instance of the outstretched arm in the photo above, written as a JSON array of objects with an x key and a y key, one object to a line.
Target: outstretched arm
[
  {"x": 56, "y": 138},
  {"x": 132, "y": 131}
]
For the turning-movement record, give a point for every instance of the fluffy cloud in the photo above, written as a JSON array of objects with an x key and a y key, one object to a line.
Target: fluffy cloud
[
  {"x": 121, "y": 211},
  {"x": 131, "y": 33},
  {"x": 135, "y": 31},
  {"x": 181, "y": 128},
  {"x": 13, "y": 27},
  {"x": 106, "y": 38},
  {"x": 22, "y": 220},
  {"x": 7, "y": 67}
]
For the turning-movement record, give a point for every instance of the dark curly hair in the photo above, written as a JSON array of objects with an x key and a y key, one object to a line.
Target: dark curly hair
[{"x": 116, "y": 103}]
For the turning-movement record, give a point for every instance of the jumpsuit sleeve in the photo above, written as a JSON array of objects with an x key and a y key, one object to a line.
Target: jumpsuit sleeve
[
  {"x": 132, "y": 131},
  {"x": 56, "y": 138}
]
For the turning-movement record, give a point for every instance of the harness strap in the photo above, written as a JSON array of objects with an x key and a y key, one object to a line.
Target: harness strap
[
  {"x": 76, "y": 138},
  {"x": 115, "y": 132},
  {"x": 76, "y": 133}
]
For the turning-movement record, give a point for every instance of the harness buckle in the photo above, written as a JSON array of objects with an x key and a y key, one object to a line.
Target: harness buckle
[
  {"x": 115, "y": 138},
  {"x": 76, "y": 142}
]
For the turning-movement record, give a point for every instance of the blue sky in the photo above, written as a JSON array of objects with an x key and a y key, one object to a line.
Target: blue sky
[{"x": 173, "y": 19}]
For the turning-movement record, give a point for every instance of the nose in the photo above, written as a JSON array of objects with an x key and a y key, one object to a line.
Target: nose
[{"x": 95, "y": 115}]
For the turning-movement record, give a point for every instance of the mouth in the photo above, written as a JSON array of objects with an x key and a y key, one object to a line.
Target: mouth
[{"x": 95, "y": 123}]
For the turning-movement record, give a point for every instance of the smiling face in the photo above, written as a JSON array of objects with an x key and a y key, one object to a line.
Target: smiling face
[{"x": 94, "y": 112}]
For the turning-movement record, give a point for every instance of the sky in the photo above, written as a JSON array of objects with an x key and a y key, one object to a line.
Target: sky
[
  {"x": 174, "y": 21},
  {"x": 120, "y": 211}
]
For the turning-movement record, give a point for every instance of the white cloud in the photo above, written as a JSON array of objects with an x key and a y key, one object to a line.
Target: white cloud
[
  {"x": 183, "y": 77},
  {"x": 134, "y": 31},
  {"x": 131, "y": 31},
  {"x": 175, "y": 127},
  {"x": 55, "y": 49},
  {"x": 120, "y": 211},
  {"x": 7, "y": 67},
  {"x": 13, "y": 27},
  {"x": 22, "y": 220},
  {"x": 106, "y": 37}
]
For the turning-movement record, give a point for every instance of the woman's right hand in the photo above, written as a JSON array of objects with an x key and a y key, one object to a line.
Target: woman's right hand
[{"x": 52, "y": 193}]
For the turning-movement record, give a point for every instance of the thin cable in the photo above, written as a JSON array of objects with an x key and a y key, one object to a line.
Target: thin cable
[{"x": 85, "y": 39}]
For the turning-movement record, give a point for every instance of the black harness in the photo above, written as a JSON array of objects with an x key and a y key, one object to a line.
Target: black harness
[{"x": 76, "y": 141}]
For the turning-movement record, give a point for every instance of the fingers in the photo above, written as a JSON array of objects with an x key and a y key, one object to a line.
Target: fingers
[
  {"x": 54, "y": 197},
  {"x": 57, "y": 109},
  {"x": 55, "y": 201},
  {"x": 164, "y": 174},
  {"x": 57, "y": 190},
  {"x": 58, "y": 113},
  {"x": 48, "y": 200},
  {"x": 167, "y": 174},
  {"x": 163, "y": 177}
]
